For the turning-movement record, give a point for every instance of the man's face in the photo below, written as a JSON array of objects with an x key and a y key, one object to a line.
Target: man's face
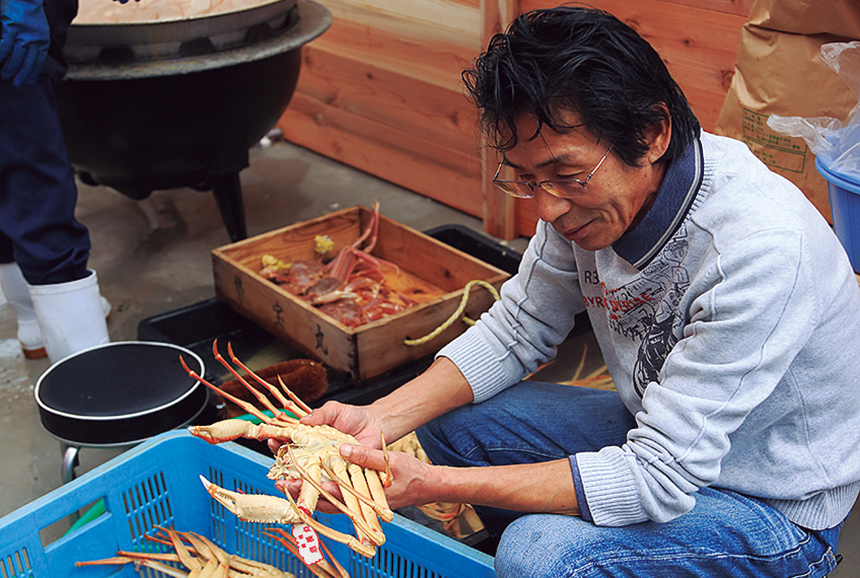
[{"x": 617, "y": 196}]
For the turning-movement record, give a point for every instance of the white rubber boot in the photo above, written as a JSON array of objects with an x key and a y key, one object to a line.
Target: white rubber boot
[
  {"x": 71, "y": 316},
  {"x": 16, "y": 290}
]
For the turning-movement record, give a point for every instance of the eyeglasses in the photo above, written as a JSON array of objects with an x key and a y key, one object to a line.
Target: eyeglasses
[{"x": 561, "y": 188}]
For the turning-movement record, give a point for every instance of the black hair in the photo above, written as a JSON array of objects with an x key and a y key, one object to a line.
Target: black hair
[{"x": 583, "y": 60}]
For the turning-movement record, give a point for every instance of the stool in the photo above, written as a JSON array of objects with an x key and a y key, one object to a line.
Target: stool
[
  {"x": 118, "y": 395},
  {"x": 71, "y": 461}
]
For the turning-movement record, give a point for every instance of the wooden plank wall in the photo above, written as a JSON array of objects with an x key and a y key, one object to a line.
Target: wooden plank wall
[{"x": 381, "y": 89}]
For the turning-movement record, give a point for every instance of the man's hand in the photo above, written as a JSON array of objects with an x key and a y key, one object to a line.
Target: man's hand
[
  {"x": 358, "y": 422},
  {"x": 363, "y": 425},
  {"x": 436, "y": 391},
  {"x": 24, "y": 40},
  {"x": 412, "y": 478}
]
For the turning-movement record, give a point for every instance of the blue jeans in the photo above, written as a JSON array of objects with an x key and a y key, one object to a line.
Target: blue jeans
[
  {"x": 726, "y": 534},
  {"x": 38, "y": 195}
]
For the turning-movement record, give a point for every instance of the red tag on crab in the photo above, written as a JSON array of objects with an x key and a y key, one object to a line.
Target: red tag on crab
[{"x": 308, "y": 544}]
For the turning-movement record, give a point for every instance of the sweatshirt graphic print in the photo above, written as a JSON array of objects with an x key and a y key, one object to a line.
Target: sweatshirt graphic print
[{"x": 646, "y": 309}]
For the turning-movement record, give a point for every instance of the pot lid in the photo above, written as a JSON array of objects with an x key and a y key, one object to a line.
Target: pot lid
[
  {"x": 153, "y": 30},
  {"x": 308, "y": 20},
  {"x": 152, "y": 11}
]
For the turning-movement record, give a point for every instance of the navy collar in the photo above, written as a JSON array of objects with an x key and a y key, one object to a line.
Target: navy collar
[{"x": 677, "y": 193}]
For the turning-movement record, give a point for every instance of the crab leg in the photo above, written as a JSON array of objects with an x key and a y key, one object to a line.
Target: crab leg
[
  {"x": 106, "y": 561},
  {"x": 302, "y": 405},
  {"x": 252, "y": 508},
  {"x": 337, "y": 571},
  {"x": 340, "y": 476},
  {"x": 231, "y": 429},
  {"x": 250, "y": 408},
  {"x": 205, "y": 548},
  {"x": 203, "y": 558},
  {"x": 169, "y": 570},
  {"x": 385, "y": 477},
  {"x": 119, "y": 560},
  {"x": 332, "y": 297},
  {"x": 212, "y": 569},
  {"x": 350, "y": 497},
  {"x": 210, "y": 561},
  {"x": 243, "y": 404},
  {"x": 166, "y": 557},
  {"x": 185, "y": 556},
  {"x": 353, "y": 514},
  {"x": 359, "y": 482},
  {"x": 344, "y": 263},
  {"x": 344, "y": 267},
  {"x": 256, "y": 393},
  {"x": 208, "y": 550},
  {"x": 255, "y": 568},
  {"x": 271, "y": 388},
  {"x": 365, "y": 550},
  {"x": 309, "y": 494},
  {"x": 323, "y": 568},
  {"x": 374, "y": 484},
  {"x": 374, "y": 233}
]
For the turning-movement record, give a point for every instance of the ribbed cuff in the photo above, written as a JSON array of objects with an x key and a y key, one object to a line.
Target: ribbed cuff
[
  {"x": 477, "y": 362},
  {"x": 610, "y": 488},
  {"x": 581, "y": 499}
]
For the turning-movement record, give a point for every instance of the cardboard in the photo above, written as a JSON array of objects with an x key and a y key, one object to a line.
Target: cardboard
[{"x": 779, "y": 71}]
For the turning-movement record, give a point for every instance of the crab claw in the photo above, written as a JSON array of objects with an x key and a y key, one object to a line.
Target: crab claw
[
  {"x": 253, "y": 507},
  {"x": 222, "y": 431}
]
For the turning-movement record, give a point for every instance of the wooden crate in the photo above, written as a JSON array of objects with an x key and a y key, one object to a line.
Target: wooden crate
[{"x": 375, "y": 348}]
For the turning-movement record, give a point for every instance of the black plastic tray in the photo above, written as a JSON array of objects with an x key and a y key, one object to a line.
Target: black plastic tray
[{"x": 478, "y": 245}]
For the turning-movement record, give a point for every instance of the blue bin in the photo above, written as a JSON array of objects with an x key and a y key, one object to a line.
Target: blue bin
[
  {"x": 157, "y": 484},
  {"x": 845, "y": 208}
]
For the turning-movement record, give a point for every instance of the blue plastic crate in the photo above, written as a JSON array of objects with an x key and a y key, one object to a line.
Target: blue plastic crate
[{"x": 157, "y": 484}]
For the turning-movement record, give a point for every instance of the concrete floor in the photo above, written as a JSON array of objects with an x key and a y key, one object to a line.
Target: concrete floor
[{"x": 153, "y": 257}]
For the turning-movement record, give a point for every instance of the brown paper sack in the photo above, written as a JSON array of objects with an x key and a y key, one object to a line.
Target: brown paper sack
[{"x": 779, "y": 71}]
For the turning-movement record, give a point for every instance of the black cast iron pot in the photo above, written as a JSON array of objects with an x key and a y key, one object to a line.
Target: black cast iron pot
[{"x": 140, "y": 117}]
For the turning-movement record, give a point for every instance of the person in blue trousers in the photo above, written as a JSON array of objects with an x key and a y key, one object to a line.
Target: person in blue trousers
[
  {"x": 43, "y": 249},
  {"x": 724, "y": 307}
]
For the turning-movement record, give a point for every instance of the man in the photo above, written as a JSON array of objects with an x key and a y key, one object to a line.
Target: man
[
  {"x": 723, "y": 305},
  {"x": 43, "y": 249}
]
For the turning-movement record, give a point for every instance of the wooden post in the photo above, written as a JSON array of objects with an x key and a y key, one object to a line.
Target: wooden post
[{"x": 499, "y": 209}]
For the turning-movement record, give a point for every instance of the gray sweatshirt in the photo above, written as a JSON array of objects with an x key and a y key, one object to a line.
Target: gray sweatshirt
[{"x": 729, "y": 319}]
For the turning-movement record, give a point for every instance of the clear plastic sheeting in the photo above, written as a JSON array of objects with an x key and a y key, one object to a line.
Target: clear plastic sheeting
[{"x": 834, "y": 141}]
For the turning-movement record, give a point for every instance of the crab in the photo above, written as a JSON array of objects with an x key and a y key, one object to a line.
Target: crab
[
  {"x": 309, "y": 453},
  {"x": 203, "y": 559},
  {"x": 352, "y": 286}
]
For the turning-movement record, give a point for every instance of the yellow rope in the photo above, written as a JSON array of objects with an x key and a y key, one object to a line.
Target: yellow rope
[{"x": 457, "y": 314}]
